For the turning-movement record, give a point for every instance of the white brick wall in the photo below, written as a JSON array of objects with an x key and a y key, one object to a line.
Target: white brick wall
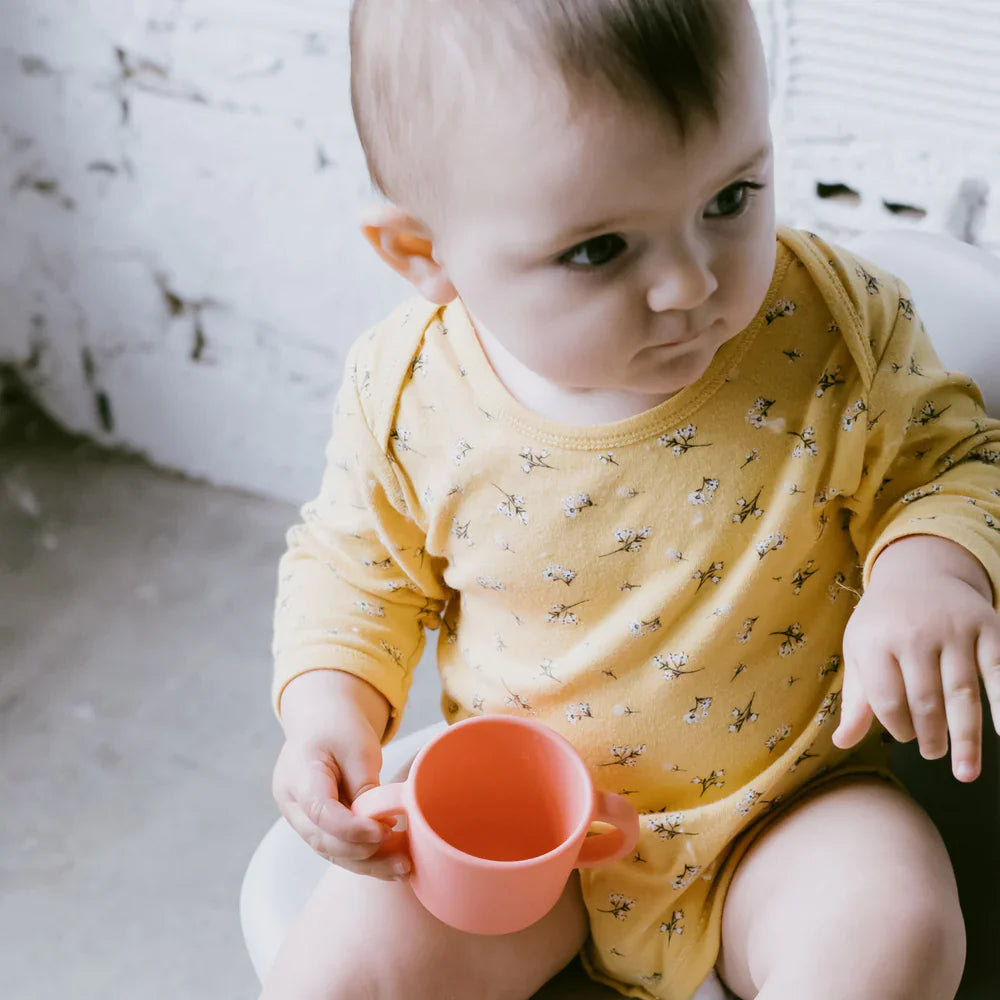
[{"x": 180, "y": 267}]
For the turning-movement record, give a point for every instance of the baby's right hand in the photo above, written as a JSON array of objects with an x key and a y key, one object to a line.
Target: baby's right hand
[{"x": 316, "y": 777}]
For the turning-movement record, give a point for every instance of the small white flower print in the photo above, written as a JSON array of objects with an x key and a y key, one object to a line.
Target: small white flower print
[
  {"x": 547, "y": 667},
  {"x": 925, "y": 415},
  {"x": 712, "y": 780},
  {"x": 783, "y": 307},
  {"x": 743, "y": 715},
  {"x": 557, "y": 574},
  {"x": 512, "y": 506},
  {"x": 711, "y": 574},
  {"x": 705, "y": 493},
  {"x": 627, "y": 492},
  {"x": 533, "y": 459},
  {"x": 643, "y": 626},
  {"x": 681, "y": 440},
  {"x": 807, "y": 442},
  {"x": 748, "y": 508},
  {"x": 631, "y": 540},
  {"x": 621, "y": 905},
  {"x": 779, "y": 735},
  {"x": 461, "y": 531},
  {"x": 686, "y": 877},
  {"x": 673, "y": 926},
  {"x": 372, "y": 610},
  {"x": 394, "y": 653},
  {"x": 794, "y": 639},
  {"x": 489, "y": 583},
  {"x": 743, "y": 636},
  {"x": 608, "y": 458},
  {"x": 776, "y": 540},
  {"x": 830, "y": 706},
  {"x": 402, "y": 437},
  {"x": 699, "y": 712},
  {"x": 574, "y": 713},
  {"x": 461, "y": 450},
  {"x": 667, "y": 825},
  {"x": 828, "y": 380},
  {"x": 573, "y": 505},
  {"x": 748, "y": 801},
  {"x": 563, "y": 614},
  {"x": 851, "y": 414},
  {"x": 757, "y": 414},
  {"x": 832, "y": 665},
  {"x": 670, "y": 665},
  {"x": 920, "y": 492},
  {"x": 624, "y": 756}
]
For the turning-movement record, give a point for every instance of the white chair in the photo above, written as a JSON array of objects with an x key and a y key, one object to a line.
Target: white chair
[{"x": 956, "y": 289}]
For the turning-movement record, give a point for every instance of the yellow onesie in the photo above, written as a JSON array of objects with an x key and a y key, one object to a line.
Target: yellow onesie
[{"x": 670, "y": 591}]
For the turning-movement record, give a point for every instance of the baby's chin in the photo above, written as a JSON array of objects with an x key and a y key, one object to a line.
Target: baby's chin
[{"x": 671, "y": 369}]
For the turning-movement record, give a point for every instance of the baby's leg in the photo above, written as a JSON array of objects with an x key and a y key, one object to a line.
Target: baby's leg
[
  {"x": 361, "y": 938},
  {"x": 849, "y": 894}
]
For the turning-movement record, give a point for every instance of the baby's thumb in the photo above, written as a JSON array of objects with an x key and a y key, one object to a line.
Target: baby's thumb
[{"x": 359, "y": 770}]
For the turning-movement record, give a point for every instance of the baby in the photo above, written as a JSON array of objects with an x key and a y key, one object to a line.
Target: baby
[{"x": 638, "y": 451}]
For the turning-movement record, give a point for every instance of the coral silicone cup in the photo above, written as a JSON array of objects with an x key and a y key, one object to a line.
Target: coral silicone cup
[{"x": 497, "y": 812}]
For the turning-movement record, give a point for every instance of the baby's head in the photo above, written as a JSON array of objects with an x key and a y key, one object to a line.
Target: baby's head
[{"x": 583, "y": 173}]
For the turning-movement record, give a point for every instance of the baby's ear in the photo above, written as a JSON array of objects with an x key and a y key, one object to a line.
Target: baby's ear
[{"x": 404, "y": 243}]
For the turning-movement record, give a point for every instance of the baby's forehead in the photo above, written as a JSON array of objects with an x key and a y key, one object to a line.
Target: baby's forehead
[{"x": 437, "y": 89}]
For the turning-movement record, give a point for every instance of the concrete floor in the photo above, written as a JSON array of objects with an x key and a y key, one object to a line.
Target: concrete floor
[
  {"x": 136, "y": 732},
  {"x": 137, "y": 737}
]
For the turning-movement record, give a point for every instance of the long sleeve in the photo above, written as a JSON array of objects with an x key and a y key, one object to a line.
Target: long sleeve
[
  {"x": 355, "y": 586},
  {"x": 931, "y": 456}
]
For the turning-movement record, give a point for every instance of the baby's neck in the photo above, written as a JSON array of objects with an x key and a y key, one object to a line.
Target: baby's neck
[{"x": 560, "y": 403}]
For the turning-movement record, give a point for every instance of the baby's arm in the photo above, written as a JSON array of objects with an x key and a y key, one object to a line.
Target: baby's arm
[
  {"x": 926, "y": 627},
  {"x": 355, "y": 592}
]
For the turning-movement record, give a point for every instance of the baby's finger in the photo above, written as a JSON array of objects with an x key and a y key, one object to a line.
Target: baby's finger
[
  {"x": 855, "y": 712},
  {"x": 963, "y": 708},
  {"x": 988, "y": 655},
  {"x": 886, "y": 693},
  {"x": 331, "y": 847},
  {"x": 393, "y": 868},
  {"x": 921, "y": 669},
  {"x": 319, "y": 797}
]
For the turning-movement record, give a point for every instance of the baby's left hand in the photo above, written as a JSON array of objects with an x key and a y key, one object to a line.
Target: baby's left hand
[{"x": 914, "y": 649}]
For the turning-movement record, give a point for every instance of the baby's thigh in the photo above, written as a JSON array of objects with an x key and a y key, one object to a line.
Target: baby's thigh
[
  {"x": 360, "y": 937},
  {"x": 845, "y": 863}
]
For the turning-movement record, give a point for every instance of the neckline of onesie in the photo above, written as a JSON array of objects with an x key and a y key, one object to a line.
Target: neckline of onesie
[{"x": 494, "y": 397}]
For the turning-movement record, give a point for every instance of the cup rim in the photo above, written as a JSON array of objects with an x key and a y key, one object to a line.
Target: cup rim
[{"x": 565, "y": 747}]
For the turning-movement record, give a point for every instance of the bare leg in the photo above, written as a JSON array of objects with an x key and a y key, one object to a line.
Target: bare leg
[
  {"x": 360, "y": 938},
  {"x": 849, "y": 894}
]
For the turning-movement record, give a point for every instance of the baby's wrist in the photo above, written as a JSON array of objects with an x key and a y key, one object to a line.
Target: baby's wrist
[
  {"x": 314, "y": 699},
  {"x": 923, "y": 556}
]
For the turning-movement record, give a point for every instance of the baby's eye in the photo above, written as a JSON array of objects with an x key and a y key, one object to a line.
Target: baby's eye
[
  {"x": 593, "y": 253},
  {"x": 735, "y": 199}
]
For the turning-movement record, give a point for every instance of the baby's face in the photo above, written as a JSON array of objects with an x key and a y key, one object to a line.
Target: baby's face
[{"x": 595, "y": 248}]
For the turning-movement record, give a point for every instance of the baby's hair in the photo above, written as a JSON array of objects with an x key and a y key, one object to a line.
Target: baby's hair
[{"x": 408, "y": 57}]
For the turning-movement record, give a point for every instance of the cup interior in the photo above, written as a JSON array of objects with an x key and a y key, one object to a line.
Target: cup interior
[{"x": 503, "y": 790}]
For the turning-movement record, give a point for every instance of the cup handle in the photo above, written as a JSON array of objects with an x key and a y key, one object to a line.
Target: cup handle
[
  {"x": 384, "y": 802},
  {"x": 615, "y": 844}
]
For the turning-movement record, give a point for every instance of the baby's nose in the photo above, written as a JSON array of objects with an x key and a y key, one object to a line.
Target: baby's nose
[{"x": 683, "y": 285}]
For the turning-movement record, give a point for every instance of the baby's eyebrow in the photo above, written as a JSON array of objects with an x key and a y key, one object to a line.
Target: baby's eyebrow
[
  {"x": 567, "y": 237},
  {"x": 753, "y": 160}
]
